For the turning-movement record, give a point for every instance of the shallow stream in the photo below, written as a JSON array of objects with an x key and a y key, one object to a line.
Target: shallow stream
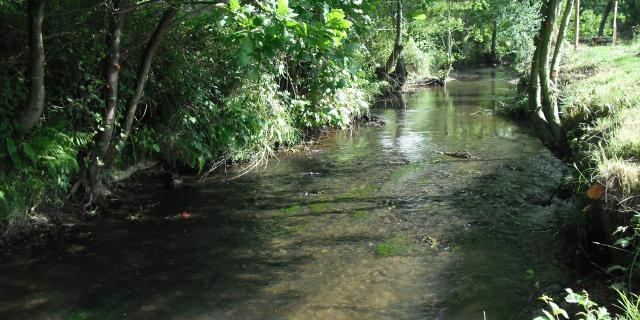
[{"x": 370, "y": 223}]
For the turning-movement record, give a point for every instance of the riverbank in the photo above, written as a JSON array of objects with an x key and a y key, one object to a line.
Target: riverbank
[
  {"x": 57, "y": 217},
  {"x": 601, "y": 98},
  {"x": 599, "y": 90}
]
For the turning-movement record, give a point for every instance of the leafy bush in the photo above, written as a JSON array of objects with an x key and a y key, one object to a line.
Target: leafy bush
[{"x": 628, "y": 304}]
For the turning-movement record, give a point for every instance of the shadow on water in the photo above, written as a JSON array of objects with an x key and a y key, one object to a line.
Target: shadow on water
[{"x": 376, "y": 224}]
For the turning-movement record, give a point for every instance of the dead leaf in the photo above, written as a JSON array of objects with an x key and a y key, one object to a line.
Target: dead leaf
[{"x": 595, "y": 191}]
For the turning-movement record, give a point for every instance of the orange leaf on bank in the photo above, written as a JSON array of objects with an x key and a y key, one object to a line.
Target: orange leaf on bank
[{"x": 595, "y": 191}]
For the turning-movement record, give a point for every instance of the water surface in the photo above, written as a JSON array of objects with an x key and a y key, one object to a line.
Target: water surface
[{"x": 372, "y": 223}]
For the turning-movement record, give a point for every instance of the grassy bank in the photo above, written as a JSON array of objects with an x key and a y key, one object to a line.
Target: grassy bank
[
  {"x": 601, "y": 98},
  {"x": 599, "y": 94}
]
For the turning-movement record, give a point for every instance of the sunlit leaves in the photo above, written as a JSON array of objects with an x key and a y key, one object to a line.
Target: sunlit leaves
[
  {"x": 234, "y": 5},
  {"x": 336, "y": 19},
  {"x": 420, "y": 17},
  {"x": 282, "y": 8}
]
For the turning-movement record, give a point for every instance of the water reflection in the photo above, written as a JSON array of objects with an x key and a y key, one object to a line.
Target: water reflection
[{"x": 374, "y": 224}]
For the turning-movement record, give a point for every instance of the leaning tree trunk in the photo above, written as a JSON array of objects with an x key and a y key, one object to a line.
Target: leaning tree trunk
[
  {"x": 145, "y": 66},
  {"x": 576, "y": 33},
  {"x": 555, "y": 62},
  {"x": 548, "y": 100},
  {"x": 614, "y": 36},
  {"x": 605, "y": 16},
  {"x": 35, "y": 100},
  {"x": 536, "y": 116},
  {"x": 534, "y": 79},
  {"x": 103, "y": 137},
  {"x": 449, "y": 38},
  {"x": 397, "y": 46}
]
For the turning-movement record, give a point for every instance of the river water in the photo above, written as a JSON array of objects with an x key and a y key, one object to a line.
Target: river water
[{"x": 370, "y": 223}]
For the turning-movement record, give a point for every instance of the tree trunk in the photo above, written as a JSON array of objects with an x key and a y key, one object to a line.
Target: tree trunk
[
  {"x": 103, "y": 137},
  {"x": 449, "y": 41},
  {"x": 494, "y": 42},
  {"x": 557, "y": 52},
  {"x": 576, "y": 34},
  {"x": 397, "y": 47},
  {"x": 536, "y": 116},
  {"x": 534, "y": 77},
  {"x": 35, "y": 100},
  {"x": 605, "y": 16},
  {"x": 145, "y": 66},
  {"x": 398, "y": 23},
  {"x": 548, "y": 101},
  {"x": 614, "y": 37}
]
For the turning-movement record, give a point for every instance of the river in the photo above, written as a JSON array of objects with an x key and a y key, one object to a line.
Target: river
[{"x": 369, "y": 223}]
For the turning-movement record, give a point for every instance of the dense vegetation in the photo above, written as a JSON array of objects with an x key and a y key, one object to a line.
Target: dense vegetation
[
  {"x": 92, "y": 87},
  {"x": 95, "y": 86}
]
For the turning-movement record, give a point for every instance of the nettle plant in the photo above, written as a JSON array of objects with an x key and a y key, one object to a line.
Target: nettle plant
[{"x": 628, "y": 304}]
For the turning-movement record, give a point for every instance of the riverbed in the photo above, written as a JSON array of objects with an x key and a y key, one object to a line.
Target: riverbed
[{"x": 373, "y": 222}]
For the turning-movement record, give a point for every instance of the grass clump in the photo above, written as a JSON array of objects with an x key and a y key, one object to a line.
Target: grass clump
[
  {"x": 598, "y": 81},
  {"x": 360, "y": 191},
  {"x": 394, "y": 246},
  {"x": 291, "y": 210},
  {"x": 612, "y": 153},
  {"x": 317, "y": 208},
  {"x": 359, "y": 214},
  {"x": 600, "y": 101}
]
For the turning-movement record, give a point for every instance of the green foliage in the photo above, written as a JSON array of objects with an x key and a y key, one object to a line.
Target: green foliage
[
  {"x": 359, "y": 214},
  {"x": 628, "y": 304},
  {"x": 46, "y": 158},
  {"x": 417, "y": 58},
  {"x": 231, "y": 84},
  {"x": 292, "y": 210}
]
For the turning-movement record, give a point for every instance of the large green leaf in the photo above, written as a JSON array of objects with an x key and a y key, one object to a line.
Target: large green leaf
[
  {"x": 282, "y": 8},
  {"x": 234, "y": 4},
  {"x": 336, "y": 19}
]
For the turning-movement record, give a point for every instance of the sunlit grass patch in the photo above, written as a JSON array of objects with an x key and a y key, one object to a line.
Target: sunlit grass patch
[
  {"x": 621, "y": 179},
  {"x": 624, "y": 139},
  {"x": 317, "y": 208},
  {"x": 600, "y": 80},
  {"x": 394, "y": 246},
  {"x": 359, "y": 214},
  {"x": 616, "y": 157},
  {"x": 291, "y": 210},
  {"x": 601, "y": 108}
]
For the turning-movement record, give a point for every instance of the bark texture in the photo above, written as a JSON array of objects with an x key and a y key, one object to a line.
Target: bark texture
[
  {"x": 605, "y": 16},
  {"x": 103, "y": 138},
  {"x": 35, "y": 99},
  {"x": 494, "y": 43},
  {"x": 145, "y": 66},
  {"x": 615, "y": 23},
  {"x": 397, "y": 78},
  {"x": 397, "y": 46},
  {"x": 576, "y": 35},
  {"x": 555, "y": 62},
  {"x": 543, "y": 106}
]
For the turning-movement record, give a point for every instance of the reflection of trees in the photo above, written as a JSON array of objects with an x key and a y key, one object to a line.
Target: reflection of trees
[{"x": 443, "y": 118}]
